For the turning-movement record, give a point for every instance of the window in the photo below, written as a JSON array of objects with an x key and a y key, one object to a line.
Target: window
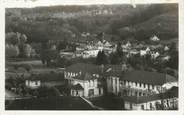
[
  {"x": 152, "y": 86},
  {"x": 140, "y": 93},
  {"x": 136, "y": 93},
  {"x": 99, "y": 91},
  {"x": 144, "y": 85},
  {"x": 91, "y": 92},
  {"x": 140, "y": 84},
  {"x": 142, "y": 107},
  {"x": 72, "y": 93},
  {"x": 116, "y": 89},
  {"x": 77, "y": 93},
  {"x": 131, "y": 106},
  {"x": 36, "y": 82},
  {"x": 151, "y": 106},
  {"x": 148, "y": 86}
]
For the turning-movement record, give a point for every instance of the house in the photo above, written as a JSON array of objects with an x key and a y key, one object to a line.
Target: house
[
  {"x": 85, "y": 85},
  {"x": 167, "y": 100},
  {"x": 128, "y": 44},
  {"x": 68, "y": 55},
  {"x": 143, "y": 52},
  {"x": 84, "y": 80},
  {"x": 154, "y": 38},
  {"x": 154, "y": 55},
  {"x": 166, "y": 58},
  {"x": 33, "y": 83},
  {"x": 44, "y": 79},
  {"x": 90, "y": 53},
  {"x": 166, "y": 48},
  {"x": 107, "y": 44},
  {"x": 138, "y": 82}
]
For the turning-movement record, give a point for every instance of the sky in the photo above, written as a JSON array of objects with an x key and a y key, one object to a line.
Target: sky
[{"x": 36, "y": 3}]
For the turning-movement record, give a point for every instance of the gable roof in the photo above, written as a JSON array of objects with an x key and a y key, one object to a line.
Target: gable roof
[
  {"x": 46, "y": 77},
  {"x": 83, "y": 67},
  {"x": 85, "y": 76},
  {"x": 173, "y": 92},
  {"x": 147, "y": 77},
  {"x": 77, "y": 87}
]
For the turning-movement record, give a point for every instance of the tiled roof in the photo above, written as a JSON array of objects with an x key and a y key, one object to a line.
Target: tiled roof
[
  {"x": 46, "y": 77},
  {"x": 85, "y": 76},
  {"x": 173, "y": 92},
  {"x": 77, "y": 87},
  {"x": 147, "y": 77},
  {"x": 86, "y": 68},
  {"x": 114, "y": 70}
]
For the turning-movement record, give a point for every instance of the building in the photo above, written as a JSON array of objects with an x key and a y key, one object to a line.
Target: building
[
  {"x": 90, "y": 53},
  {"x": 44, "y": 79},
  {"x": 33, "y": 83},
  {"x": 154, "y": 38},
  {"x": 113, "y": 82},
  {"x": 167, "y": 100},
  {"x": 139, "y": 83},
  {"x": 84, "y": 80}
]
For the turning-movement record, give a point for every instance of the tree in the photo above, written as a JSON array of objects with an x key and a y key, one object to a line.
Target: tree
[
  {"x": 173, "y": 62},
  {"x": 62, "y": 45},
  {"x": 28, "y": 67},
  {"x": 101, "y": 58},
  {"x": 12, "y": 38},
  {"x": 27, "y": 50},
  {"x": 119, "y": 49},
  {"x": 12, "y": 50}
]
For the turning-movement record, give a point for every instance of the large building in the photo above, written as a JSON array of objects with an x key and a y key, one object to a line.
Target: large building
[
  {"x": 139, "y": 83},
  {"x": 84, "y": 80},
  {"x": 167, "y": 100}
]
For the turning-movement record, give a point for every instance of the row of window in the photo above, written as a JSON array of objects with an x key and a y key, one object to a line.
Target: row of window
[
  {"x": 149, "y": 86},
  {"x": 143, "y": 107},
  {"x": 132, "y": 93}
]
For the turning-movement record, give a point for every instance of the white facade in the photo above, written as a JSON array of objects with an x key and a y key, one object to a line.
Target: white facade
[
  {"x": 33, "y": 84},
  {"x": 91, "y": 88},
  {"x": 154, "y": 38},
  {"x": 113, "y": 85},
  {"x": 90, "y": 53},
  {"x": 155, "y": 55},
  {"x": 77, "y": 92},
  {"x": 151, "y": 105},
  {"x": 129, "y": 88}
]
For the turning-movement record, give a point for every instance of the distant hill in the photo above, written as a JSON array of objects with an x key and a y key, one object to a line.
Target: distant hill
[
  {"x": 122, "y": 21},
  {"x": 164, "y": 25}
]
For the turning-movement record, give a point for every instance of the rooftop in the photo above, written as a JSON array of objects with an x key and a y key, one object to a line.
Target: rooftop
[
  {"x": 46, "y": 77},
  {"x": 85, "y": 76},
  {"x": 77, "y": 87},
  {"x": 147, "y": 77},
  {"x": 173, "y": 92},
  {"x": 83, "y": 67}
]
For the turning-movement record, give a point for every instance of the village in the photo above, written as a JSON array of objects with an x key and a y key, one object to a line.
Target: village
[
  {"x": 92, "y": 57},
  {"x": 139, "y": 84}
]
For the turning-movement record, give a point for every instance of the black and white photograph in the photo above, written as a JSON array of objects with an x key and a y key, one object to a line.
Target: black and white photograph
[{"x": 121, "y": 57}]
